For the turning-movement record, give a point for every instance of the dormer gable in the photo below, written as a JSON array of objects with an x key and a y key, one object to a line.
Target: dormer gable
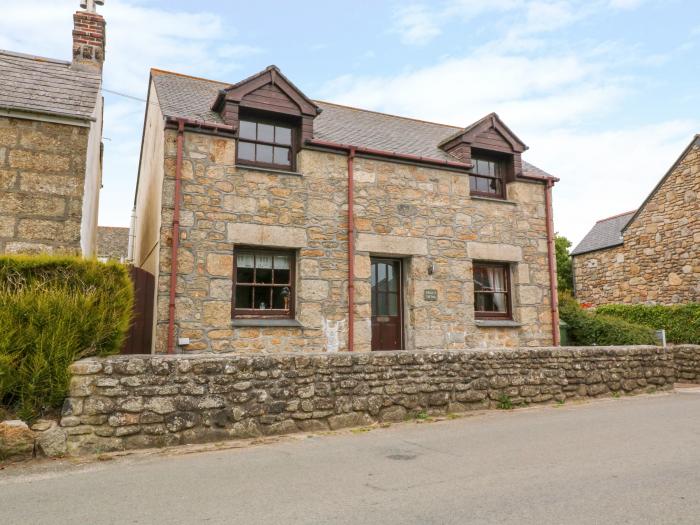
[
  {"x": 488, "y": 138},
  {"x": 271, "y": 93}
]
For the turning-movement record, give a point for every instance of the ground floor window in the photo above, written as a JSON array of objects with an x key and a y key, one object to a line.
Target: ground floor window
[
  {"x": 263, "y": 283},
  {"x": 492, "y": 296}
]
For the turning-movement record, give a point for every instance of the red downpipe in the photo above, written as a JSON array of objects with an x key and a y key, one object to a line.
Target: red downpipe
[
  {"x": 553, "y": 300},
  {"x": 175, "y": 235},
  {"x": 390, "y": 154},
  {"x": 351, "y": 250}
]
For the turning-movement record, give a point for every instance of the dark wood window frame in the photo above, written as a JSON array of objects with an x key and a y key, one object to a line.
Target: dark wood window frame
[
  {"x": 502, "y": 164},
  {"x": 254, "y": 313},
  {"x": 507, "y": 292},
  {"x": 270, "y": 120}
]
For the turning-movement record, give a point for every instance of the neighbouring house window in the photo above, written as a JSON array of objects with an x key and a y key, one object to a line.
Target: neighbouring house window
[
  {"x": 492, "y": 297},
  {"x": 263, "y": 283},
  {"x": 488, "y": 177},
  {"x": 266, "y": 143}
]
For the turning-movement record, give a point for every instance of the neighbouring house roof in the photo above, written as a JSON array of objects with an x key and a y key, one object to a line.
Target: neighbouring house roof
[
  {"x": 192, "y": 98},
  {"x": 112, "y": 242},
  {"x": 605, "y": 234},
  {"x": 44, "y": 85}
]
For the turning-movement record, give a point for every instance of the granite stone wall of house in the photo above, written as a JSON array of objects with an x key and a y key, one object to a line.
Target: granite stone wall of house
[
  {"x": 127, "y": 402},
  {"x": 422, "y": 215},
  {"x": 112, "y": 243},
  {"x": 659, "y": 262},
  {"x": 42, "y": 177}
]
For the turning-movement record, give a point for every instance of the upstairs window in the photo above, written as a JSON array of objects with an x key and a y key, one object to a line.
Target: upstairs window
[
  {"x": 266, "y": 143},
  {"x": 492, "y": 297},
  {"x": 263, "y": 283},
  {"x": 487, "y": 178}
]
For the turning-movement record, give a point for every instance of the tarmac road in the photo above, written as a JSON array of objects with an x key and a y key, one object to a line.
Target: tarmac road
[{"x": 631, "y": 460}]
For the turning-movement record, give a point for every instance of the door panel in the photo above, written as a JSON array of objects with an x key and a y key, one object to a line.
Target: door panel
[{"x": 387, "y": 321}]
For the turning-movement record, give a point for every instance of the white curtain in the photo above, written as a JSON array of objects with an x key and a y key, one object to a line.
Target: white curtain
[{"x": 497, "y": 282}]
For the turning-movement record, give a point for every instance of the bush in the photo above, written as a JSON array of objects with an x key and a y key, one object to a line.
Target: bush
[
  {"x": 53, "y": 311},
  {"x": 681, "y": 322},
  {"x": 588, "y": 328}
]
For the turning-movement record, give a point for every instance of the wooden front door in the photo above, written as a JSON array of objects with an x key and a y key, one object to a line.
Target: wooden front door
[{"x": 387, "y": 319}]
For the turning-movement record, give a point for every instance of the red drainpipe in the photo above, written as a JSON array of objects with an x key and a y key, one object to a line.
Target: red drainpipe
[
  {"x": 553, "y": 299},
  {"x": 175, "y": 235},
  {"x": 351, "y": 250}
]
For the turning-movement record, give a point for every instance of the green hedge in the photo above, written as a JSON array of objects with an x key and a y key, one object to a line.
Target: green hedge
[
  {"x": 588, "y": 328},
  {"x": 681, "y": 322},
  {"x": 53, "y": 311}
]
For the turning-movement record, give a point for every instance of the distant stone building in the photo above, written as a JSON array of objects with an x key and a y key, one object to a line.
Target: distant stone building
[
  {"x": 649, "y": 255},
  {"x": 305, "y": 226},
  {"x": 112, "y": 243},
  {"x": 51, "y": 146}
]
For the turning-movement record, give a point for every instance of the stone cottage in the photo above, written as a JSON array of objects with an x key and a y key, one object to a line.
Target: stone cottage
[
  {"x": 649, "y": 255},
  {"x": 277, "y": 223},
  {"x": 112, "y": 243},
  {"x": 51, "y": 145}
]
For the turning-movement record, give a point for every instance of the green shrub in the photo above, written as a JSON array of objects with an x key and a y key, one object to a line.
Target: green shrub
[
  {"x": 681, "y": 322},
  {"x": 588, "y": 328},
  {"x": 53, "y": 311}
]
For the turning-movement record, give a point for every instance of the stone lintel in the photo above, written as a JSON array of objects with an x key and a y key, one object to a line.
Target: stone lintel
[
  {"x": 391, "y": 244},
  {"x": 261, "y": 235},
  {"x": 483, "y": 251}
]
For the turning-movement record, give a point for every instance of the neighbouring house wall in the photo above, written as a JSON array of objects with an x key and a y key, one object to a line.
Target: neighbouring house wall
[
  {"x": 659, "y": 261},
  {"x": 149, "y": 190},
  {"x": 421, "y": 214},
  {"x": 42, "y": 180},
  {"x": 127, "y": 402},
  {"x": 93, "y": 184}
]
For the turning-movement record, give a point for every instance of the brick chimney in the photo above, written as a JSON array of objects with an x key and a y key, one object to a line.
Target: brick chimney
[{"x": 88, "y": 38}]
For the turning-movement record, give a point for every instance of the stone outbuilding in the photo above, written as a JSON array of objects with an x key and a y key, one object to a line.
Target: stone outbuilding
[
  {"x": 277, "y": 223},
  {"x": 649, "y": 255},
  {"x": 51, "y": 145}
]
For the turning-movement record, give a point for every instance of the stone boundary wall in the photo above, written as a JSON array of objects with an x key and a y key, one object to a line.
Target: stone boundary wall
[
  {"x": 687, "y": 360},
  {"x": 128, "y": 402}
]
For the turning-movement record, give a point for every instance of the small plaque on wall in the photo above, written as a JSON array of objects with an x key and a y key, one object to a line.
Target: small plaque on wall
[{"x": 430, "y": 294}]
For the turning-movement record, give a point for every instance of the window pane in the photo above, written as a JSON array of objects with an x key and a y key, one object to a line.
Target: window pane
[
  {"x": 247, "y": 130},
  {"x": 263, "y": 297},
  {"x": 283, "y": 136},
  {"x": 244, "y": 265},
  {"x": 281, "y": 156},
  {"x": 472, "y": 183},
  {"x": 392, "y": 278},
  {"x": 381, "y": 277},
  {"x": 263, "y": 153},
  {"x": 393, "y": 307},
  {"x": 244, "y": 275},
  {"x": 244, "y": 296},
  {"x": 278, "y": 298},
  {"x": 281, "y": 262},
  {"x": 263, "y": 269},
  {"x": 266, "y": 132},
  {"x": 495, "y": 302},
  {"x": 246, "y": 150},
  {"x": 282, "y": 270},
  {"x": 382, "y": 304}
]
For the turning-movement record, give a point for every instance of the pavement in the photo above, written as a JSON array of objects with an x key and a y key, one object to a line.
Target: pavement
[{"x": 626, "y": 460}]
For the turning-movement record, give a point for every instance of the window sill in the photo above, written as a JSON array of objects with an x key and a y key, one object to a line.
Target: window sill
[
  {"x": 491, "y": 199},
  {"x": 267, "y": 170},
  {"x": 291, "y": 323},
  {"x": 497, "y": 323}
]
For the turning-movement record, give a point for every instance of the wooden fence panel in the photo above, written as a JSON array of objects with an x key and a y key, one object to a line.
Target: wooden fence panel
[{"x": 140, "y": 336}]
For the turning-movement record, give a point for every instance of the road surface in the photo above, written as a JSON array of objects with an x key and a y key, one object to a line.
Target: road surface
[{"x": 630, "y": 460}]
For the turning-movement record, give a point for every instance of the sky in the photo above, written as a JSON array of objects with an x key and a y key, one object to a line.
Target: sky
[{"x": 604, "y": 92}]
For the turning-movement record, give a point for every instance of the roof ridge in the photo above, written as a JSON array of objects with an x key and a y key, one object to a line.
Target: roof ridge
[
  {"x": 387, "y": 114},
  {"x": 183, "y": 75},
  {"x": 34, "y": 57},
  {"x": 616, "y": 216}
]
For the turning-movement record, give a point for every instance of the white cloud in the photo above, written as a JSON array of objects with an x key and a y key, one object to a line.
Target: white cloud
[
  {"x": 138, "y": 38},
  {"x": 417, "y": 24}
]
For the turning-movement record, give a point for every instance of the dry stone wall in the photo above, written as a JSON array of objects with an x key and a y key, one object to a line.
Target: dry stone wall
[
  {"x": 687, "y": 361},
  {"x": 659, "y": 262},
  {"x": 42, "y": 178},
  {"x": 127, "y": 402}
]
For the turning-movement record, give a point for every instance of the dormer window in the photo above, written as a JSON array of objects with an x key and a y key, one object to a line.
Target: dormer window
[
  {"x": 487, "y": 178},
  {"x": 266, "y": 143}
]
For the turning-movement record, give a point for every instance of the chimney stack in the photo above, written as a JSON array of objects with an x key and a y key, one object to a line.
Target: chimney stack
[{"x": 88, "y": 37}]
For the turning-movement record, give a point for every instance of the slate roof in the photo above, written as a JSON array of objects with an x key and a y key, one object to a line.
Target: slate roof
[
  {"x": 191, "y": 97},
  {"x": 112, "y": 242},
  {"x": 605, "y": 234},
  {"x": 45, "y": 85}
]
